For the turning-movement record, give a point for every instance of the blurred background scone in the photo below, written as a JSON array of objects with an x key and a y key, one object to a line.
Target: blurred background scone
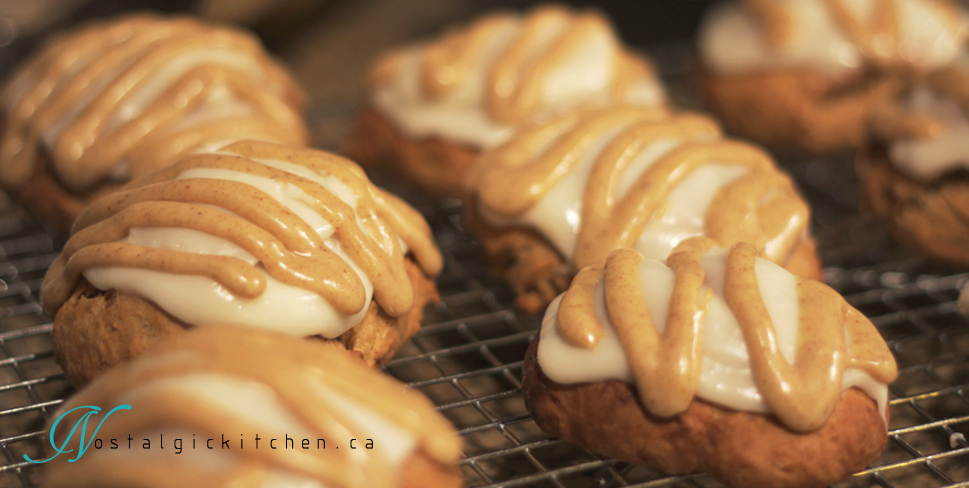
[
  {"x": 435, "y": 106},
  {"x": 257, "y": 384},
  {"x": 913, "y": 174},
  {"x": 562, "y": 195},
  {"x": 118, "y": 99},
  {"x": 808, "y": 73},
  {"x": 257, "y": 234}
]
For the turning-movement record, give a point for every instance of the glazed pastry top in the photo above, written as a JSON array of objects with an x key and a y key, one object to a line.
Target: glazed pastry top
[
  {"x": 122, "y": 98},
  {"x": 928, "y": 131},
  {"x": 600, "y": 180},
  {"x": 230, "y": 382},
  {"x": 477, "y": 83},
  {"x": 832, "y": 35},
  {"x": 255, "y": 234},
  {"x": 723, "y": 325}
]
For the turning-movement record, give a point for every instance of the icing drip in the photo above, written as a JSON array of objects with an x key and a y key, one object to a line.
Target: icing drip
[
  {"x": 476, "y": 84},
  {"x": 726, "y": 326},
  {"x": 231, "y": 380},
  {"x": 832, "y": 35},
  {"x": 640, "y": 178},
  {"x": 126, "y": 97},
  {"x": 249, "y": 233}
]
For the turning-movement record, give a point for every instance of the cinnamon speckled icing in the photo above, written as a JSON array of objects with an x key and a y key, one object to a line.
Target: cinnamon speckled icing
[
  {"x": 831, "y": 35},
  {"x": 722, "y": 325},
  {"x": 257, "y": 234},
  {"x": 121, "y": 98},
  {"x": 647, "y": 179},
  {"x": 477, "y": 83},
  {"x": 229, "y": 382}
]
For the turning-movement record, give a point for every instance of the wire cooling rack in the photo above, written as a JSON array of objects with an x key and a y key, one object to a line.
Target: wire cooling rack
[{"x": 468, "y": 356}]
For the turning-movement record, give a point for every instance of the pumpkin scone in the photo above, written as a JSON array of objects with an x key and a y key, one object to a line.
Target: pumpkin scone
[
  {"x": 230, "y": 406},
  {"x": 563, "y": 194},
  {"x": 914, "y": 175},
  {"x": 117, "y": 99},
  {"x": 257, "y": 234},
  {"x": 718, "y": 361},
  {"x": 808, "y": 74},
  {"x": 434, "y": 106}
]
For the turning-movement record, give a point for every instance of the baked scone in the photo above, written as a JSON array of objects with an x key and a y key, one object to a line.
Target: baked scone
[
  {"x": 236, "y": 384},
  {"x": 256, "y": 234},
  {"x": 717, "y": 361},
  {"x": 436, "y": 105},
  {"x": 118, "y": 99},
  {"x": 808, "y": 73},
  {"x": 562, "y": 195},
  {"x": 914, "y": 173}
]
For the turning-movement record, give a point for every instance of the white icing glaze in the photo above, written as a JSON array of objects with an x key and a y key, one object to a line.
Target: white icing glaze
[
  {"x": 726, "y": 377},
  {"x": 165, "y": 75},
  {"x": 256, "y": 403},
  {"x": 201, "y": 300},
  {"x": 686, "y": 209},
  {"x": 558, "y": 214},
  {"x": 396, "y": 443},
  {"x": 199, "y": 459},
  {"x": 246, "y": 400},
  {"x": 731, "y": 39},
  {"x": 137, "y": 101},
  {"x": 461, "y": 115},
  {"x": 927, "y": 159},
  {"x": 220, "y": 105}
]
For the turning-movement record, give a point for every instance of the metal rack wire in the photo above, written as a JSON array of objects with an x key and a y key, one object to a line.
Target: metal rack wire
[{"x": 467, "y": 358}]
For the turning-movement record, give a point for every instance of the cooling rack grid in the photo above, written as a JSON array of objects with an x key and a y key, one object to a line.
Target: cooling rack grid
[{"x": 467, "y": 357}]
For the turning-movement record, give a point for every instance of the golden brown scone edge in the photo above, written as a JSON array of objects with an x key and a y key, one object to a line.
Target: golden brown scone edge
[
  {"x": 802, "y": 108},
  {"x": 738, "y": 449},
  {"x": 932, "y": 217},
  {"x": 433, "y": 164},
  {"x": 95, "y": 330},
  {"x": 46, "y": 198}
]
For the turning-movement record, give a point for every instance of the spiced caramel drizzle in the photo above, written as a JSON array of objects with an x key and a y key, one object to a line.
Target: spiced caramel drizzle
[
  {"x": 832, "y": 335},
  {"x": 82, "y": 88},
  {"x": 876, "y": 37},
  {"x": 517, "y": 75},
  {"x": 761, "y": 206},
  {"x": 291, "y": 368},
  {"x": 285, "y": 246}
]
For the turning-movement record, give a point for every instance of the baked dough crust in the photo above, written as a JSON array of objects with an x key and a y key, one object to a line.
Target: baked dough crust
[
  {"x": 46, "y": 198},
  {"x": 433, "y": 164},
  {"x": 739, "y": 449},
  {"x": 95, "y": 330},
  {"x": 933, "y": 217},
  {"x": 797, "y": 107}
]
